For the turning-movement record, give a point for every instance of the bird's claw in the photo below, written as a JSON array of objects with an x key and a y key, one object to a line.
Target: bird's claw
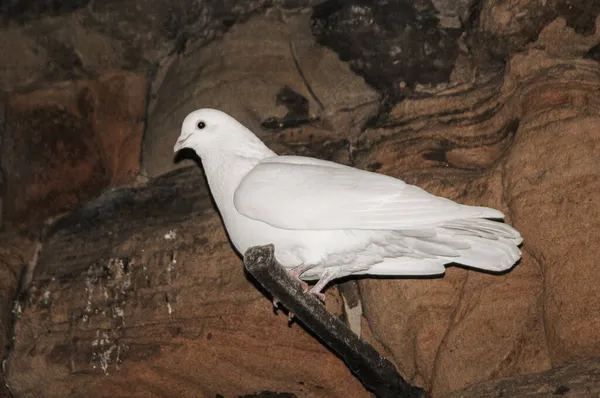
[
  {"x": 306, "y": 289},
  {"x": 303, "y": 284},
  {"x": 318, "y": 295}
]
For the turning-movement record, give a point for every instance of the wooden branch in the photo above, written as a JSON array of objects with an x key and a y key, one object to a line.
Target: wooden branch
[{"x": 373, "y": 370}]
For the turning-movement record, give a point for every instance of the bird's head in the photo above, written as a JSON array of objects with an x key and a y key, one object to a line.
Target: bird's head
[
  {"x": 210, "y": 130},
  {"x": 205, "y": 128}
]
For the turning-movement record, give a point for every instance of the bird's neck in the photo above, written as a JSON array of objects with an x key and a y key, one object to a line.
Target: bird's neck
[{"x": 224, "y": 172}]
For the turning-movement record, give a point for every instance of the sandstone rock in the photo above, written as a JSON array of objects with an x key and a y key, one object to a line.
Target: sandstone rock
[
  {"x": 27, "y": 62},
  {"x": 506, "y": 27},
  {"x": 139, "y": 293},
  {"x": 65, "y": 144},
  {"x": 579, "y": 45},
  {"x": 394, "y": 44},
  {"x": 581, "y": 379},
  {"x": 51, "y": 41},
  {"x": 21, "y": 11},
  {"x": 60, "y": 48},
  {"x": 449, "y": 332},
  {"x": 255, "y": 66},
  {"x": 497, "y": 324},
  {"x": 552, "y": 176},
  {"x": 118, "y": 118},
  {"x": 17, "y": 252},
  {"x": 151, "y": 29},
  {"x": 527, "y": 147}
]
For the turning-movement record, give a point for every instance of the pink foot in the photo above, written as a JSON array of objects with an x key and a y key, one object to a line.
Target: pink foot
[
  {"x": 320, "y": 285},
  {"x": 312, "y": 291},
  {"x": 295, "y": 274},
  {"x": 315, "y": 290},
  {"x": 318, "y": 295},
  {"x": 299, "y": 270}
]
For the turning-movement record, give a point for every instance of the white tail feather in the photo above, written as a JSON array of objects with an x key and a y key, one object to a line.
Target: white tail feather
[
  {"x": 492, "y": 255},
  {"x": 478, "y": 243},
  {"x": 407, "y": 266}
]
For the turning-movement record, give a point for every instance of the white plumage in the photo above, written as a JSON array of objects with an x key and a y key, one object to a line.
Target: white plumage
[{"x": 327, "y": 220}]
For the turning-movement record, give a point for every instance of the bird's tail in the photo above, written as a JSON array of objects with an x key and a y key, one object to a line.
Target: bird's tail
[
  {"x": 493, "y": 246},
  {"x": 473, "y": 242}
]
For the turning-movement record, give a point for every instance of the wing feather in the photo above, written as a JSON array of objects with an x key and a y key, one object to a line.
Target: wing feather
[{"x": 294, "y": 192}]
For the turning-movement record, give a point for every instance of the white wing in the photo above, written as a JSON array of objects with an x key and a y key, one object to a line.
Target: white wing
[{"x": 294, "y": 192}]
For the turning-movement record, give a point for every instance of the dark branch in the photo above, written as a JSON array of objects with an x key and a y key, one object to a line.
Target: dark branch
[{"x": 373, "y": 370}]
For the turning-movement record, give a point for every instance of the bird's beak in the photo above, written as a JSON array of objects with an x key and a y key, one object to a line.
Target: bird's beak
[{"x": 179, "y": 145}]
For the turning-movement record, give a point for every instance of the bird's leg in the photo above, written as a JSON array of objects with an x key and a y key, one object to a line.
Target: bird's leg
[
  {"x": 299, "y": 270},
  {"x": 295, "y": 273},
  {"x": 325, "y": 279},
  {"x": 315, "y": 290}
]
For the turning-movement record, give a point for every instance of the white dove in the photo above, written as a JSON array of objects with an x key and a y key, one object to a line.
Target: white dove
[{"x": 327, "y": 220}]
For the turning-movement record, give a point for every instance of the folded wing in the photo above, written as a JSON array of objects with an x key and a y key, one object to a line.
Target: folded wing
[{"x": 294, "y": 192}]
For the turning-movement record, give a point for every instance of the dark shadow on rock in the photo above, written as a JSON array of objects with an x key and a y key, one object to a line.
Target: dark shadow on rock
[{"x": 391, "y": 44}]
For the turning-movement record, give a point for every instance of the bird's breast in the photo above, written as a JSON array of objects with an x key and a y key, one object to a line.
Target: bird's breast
[{"x": 292, "y": 247}]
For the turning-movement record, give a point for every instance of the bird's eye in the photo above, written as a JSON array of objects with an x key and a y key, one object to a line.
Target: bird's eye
[{"x": 201, "y": 125}]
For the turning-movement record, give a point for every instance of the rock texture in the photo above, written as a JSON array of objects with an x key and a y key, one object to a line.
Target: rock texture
[
  {"x": 57, "y": 40},
  {"x": 158, "y": 305},
  {"x": 18, "y": 252},
  {"x": 551, "y": 185},
  {"x": 395, "y": 44},
  {"x": 503, "y": 27},
  {"x": 65, "y": 144},
  {"x": 581, "y": 379},
  {"x": 270, "y": 74},
  {"x": 467, "y": 327}
]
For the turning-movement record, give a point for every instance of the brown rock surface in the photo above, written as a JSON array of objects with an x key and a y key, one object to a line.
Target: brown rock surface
[
  {"x": 552, "y": 186},
  {"x": 50, "y": 41},
  {"x": 581, "y": 379},
  {"x": 27, "y": 62},
  {"x": 528, "y": 146},
  {"x": 64, "y": 144},
  {"x": 244, "y": 73},
  {"x": 17, "y": 252},
  {"x": 505, "y": 27},
  {"x": 158, "y": 305}
]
